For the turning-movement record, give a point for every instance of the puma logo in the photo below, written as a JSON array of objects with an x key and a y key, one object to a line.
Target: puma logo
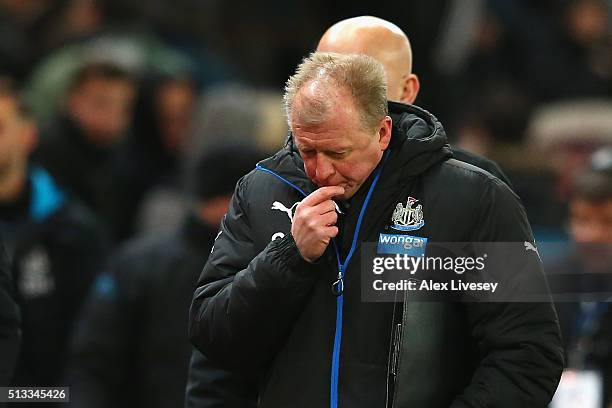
[
  {"x": 281, "y": 207},
  {"x": 531, "y": 247}
]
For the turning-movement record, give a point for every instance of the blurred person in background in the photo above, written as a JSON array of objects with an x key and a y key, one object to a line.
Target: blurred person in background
[
  {"x": 10, "y": 333},
  {"x": 162, "y": 123},
  {"x": 85, "y": 148},
  {"x": 22, "y": 26},
  {"x": 54, "y": 244},
  {"x": 242, "y": 114},
  {"x": 550, "y": 50},
  {"x": 134, "y": 36},
  {"x": 575, "y": 59},
  {"x": 590, "y": 216},
  {"x": 487, "y": 44},
  {"x": 494, "y": 122},
  {"x": 586, "y": 273},
  {"x": 131, "y": 348}
]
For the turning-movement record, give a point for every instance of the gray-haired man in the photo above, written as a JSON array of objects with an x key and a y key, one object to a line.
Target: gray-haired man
[{"x": 280, "y": 298}]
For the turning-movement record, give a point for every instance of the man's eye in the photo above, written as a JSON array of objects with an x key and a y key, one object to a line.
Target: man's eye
[{"x": 337, "y": 155}]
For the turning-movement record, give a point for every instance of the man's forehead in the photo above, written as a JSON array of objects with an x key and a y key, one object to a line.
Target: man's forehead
[
  {"x": 330, "y": 102},
  {"x": 603, "y": 206},
  {"x": 8, "y": 105},
  {"x": 322, "y": 140},
  {"x": 101, "y": 85},
  {"x": 337, "y": 126}
]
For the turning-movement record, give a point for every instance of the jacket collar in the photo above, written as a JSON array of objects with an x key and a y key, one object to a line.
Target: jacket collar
[{"x": 418, "y": 141}]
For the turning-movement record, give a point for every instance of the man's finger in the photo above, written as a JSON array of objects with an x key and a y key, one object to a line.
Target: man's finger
[
  {"x": 324, "y": 207},
  {"x": 330, "y": 232},
  {"x": 322, "y": 194},
  {"x": 329, "y": 218}
]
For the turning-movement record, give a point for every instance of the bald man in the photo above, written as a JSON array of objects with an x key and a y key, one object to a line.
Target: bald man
[
  {"x": 389, "y": 45},
  {"x": 383, "y": 41}
]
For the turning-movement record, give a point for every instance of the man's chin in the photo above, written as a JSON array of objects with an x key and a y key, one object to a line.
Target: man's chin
[
  {"x": 349, "y": 190},
  {"x": 348, "y": 193}
]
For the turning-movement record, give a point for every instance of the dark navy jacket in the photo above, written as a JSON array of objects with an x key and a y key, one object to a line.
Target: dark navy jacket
[
  {"x": 9, "y": 321},
  {"x": 263, "y": 311},
  {"x": 56, "y": 247}
]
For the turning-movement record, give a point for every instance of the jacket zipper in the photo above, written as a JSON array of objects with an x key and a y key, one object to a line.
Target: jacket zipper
[
  {"x": 397, "y": 338},
  {"x": 395, "y": 349}
]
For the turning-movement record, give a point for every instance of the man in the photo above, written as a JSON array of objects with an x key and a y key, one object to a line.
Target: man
[
  {"x": 591, "y": 212},
  {"x": 130, "y": 347},
  {"x": 277, "y": 300},
  {"x": 85, "y": 148},
  {"x": 9, "y": 322},
  {"x": 54, "y": 245},
  {"x": 383, "y": 41},
  {"x": 389, "y": 45},
  {"x": 582, "y": 280}
]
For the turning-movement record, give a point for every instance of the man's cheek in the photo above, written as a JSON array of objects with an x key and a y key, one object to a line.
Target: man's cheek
[
  {"x": 347, "y": 171},
  {"x": 309, "y": 169}
]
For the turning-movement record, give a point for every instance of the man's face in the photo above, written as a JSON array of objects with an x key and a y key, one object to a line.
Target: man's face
[
  {"x": 339, "y": 152},
  {"x": 102, "y": 108},
  {"x": 212, "y": 210},
  {"x": 591, "y": 222},
  {"x": 175, "y": 104},
  {"x": 15, "y": 140},
  {"x": 591, "y": 229}
]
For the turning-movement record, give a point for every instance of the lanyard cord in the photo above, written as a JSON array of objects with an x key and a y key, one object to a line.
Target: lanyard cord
[
  {"x": 338, "y": 285},
  {"x": 338, "y": 289}
]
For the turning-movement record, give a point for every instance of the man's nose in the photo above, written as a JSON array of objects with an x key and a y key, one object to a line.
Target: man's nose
[{"x": 324, "y": 168}]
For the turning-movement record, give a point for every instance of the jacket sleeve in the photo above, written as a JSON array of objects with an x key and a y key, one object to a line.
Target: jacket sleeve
[
  {"x": 212, "y": 387},
  {"x": 245, "y": 300},
  {"x": 10, "y": 333},
  {"x": 519, "y": 343}
]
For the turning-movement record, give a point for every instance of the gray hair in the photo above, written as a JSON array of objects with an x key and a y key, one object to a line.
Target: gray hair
[{"x": 361, "y": 75}]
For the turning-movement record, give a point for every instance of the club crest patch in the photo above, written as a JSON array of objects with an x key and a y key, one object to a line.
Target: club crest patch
[{"x": 409, "y": 217}]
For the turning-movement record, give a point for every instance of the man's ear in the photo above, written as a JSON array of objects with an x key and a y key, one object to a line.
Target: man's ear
[
  {"x": 410, "y": 88},
  {"x": 384, "y": 133}
]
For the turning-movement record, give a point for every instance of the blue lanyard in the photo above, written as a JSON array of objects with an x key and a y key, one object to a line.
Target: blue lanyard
[
  {"x": 338, "y": 285},
  {"x": 338, "y": 289}
]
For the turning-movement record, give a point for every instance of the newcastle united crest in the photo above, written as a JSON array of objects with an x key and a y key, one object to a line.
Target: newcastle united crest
[{"x": 408, "y": 218}]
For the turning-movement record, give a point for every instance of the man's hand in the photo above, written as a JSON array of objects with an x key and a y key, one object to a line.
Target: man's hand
[{"x": 314, "y": 222}]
